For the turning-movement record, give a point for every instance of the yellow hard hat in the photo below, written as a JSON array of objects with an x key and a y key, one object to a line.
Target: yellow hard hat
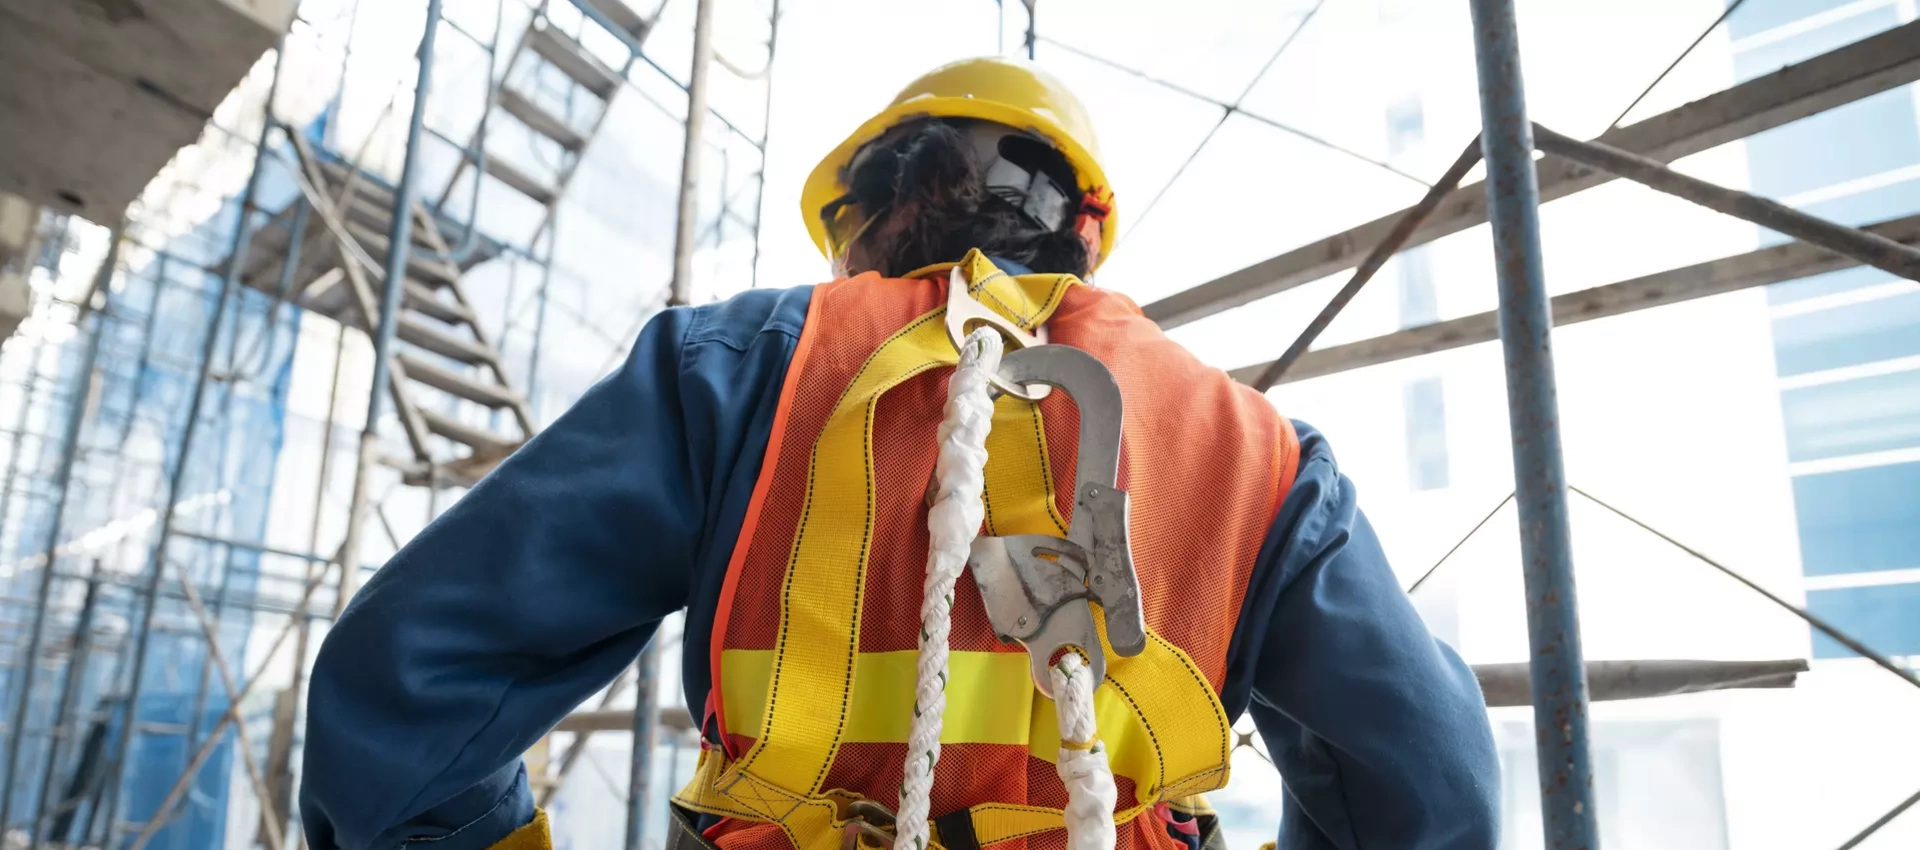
[{"x": 1003, "y": 91}]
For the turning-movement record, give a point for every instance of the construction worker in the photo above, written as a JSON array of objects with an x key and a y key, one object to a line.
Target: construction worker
[{"x": 764, "y": 463}]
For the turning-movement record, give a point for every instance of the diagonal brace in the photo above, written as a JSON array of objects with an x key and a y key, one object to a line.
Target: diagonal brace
[{"x": 1874, "y": 250}]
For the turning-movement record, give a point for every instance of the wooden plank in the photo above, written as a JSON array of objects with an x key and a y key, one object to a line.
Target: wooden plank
[
  {"x": 421, "y": 300},
  {"x": 540, "y": 120},
  {"x": 624, "y": 17},
  {"x": 1859, "y": 70},
  {"x": 561, "y": 51},
  {"x": 449, "y": 381},
  {"x": 621, "y": 720},
  {"x": 425, "y": 335},
  {"x": 482, "y": 441},
  {"x": 1777, "y": 264},
  {"x": 521, "y": 181}
]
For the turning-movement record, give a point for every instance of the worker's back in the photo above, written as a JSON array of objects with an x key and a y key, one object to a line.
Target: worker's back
[{"x": 818, "y": 624}]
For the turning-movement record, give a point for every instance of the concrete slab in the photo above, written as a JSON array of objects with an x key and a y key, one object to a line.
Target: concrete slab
[{"x": 97, "y": 95}]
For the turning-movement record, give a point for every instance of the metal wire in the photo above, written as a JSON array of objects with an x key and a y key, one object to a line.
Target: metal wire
[
  {"x": 1456, "y": 546},
  {"x": 1232, "y": 109},
  {"x": 1674, "y": 64},
  {"x": 1225, "y": 113}
]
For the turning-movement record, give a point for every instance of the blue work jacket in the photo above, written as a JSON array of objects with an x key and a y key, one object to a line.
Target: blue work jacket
[{"x": 542, "y": 582}]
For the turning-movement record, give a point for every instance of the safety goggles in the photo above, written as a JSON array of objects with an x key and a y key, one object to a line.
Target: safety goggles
[{"x": 1019, "y": 168}]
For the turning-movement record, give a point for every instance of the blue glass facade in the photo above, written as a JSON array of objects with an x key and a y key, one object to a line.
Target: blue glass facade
[{"x": 1846, "y": 344}]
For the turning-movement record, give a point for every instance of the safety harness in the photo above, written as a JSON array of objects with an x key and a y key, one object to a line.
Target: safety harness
[{"x": 807, "y": 694}]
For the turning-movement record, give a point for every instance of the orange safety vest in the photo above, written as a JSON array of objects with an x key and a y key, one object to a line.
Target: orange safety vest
[{"x": 816, "y": 636}]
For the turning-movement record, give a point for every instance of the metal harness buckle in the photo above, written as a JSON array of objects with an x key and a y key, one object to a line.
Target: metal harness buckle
[
  {"x": 1038, "y": 588},
  {"x": 964, "y": 314},
  {"x": 864, "y": 831}
]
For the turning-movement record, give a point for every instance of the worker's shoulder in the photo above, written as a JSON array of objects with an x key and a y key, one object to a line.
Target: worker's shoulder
[{"x": 735, "y": 322}]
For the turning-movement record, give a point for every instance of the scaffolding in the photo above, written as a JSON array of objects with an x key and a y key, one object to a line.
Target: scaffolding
[
  {"x": 158, "y": 642},
  {"x": 148, "y": 615}
]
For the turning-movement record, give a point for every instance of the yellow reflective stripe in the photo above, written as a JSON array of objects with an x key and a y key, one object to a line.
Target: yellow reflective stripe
[
  {"x": 884, "y": 710},
  {"x": 985, "y": 696}
]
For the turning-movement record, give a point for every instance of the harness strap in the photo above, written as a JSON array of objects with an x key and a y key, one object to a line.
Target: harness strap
[{"x": 815, "y": 660}]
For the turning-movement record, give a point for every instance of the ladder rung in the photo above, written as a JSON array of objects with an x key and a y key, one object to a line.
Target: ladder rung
[
  {"x": 423, "y": 334},
  {"x": 524, "y": 183},
  {"x": 421, "y": 300},
  {"x": 446, "y": 380},
  {"x": 419, "y": 266},
  {"x": 540, "y": 120},
  {"x": 624, "y": 17},
  {"x": 572, "y": 59},
  {"x": 480, "y": 439}
]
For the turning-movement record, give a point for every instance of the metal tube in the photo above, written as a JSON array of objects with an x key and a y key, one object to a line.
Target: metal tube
[
  {"x": 578, "y": 747},
  {"x": 639, "y": 776},
  {"x": 399, "y": 240},
  {"x": 1526, "y": 330},
  {"x": 29, "y": 659},
  {"x": 311, "y": 557},
  {"x": 470, "y": 240},
  {"x": 766, "y": 132},
  {"x": 282, "y": 805},
  {"x": 232, "y": 714},
  {"x": 682, "y": 284},
  {"x": 1033, "y": 33},
  {"x": 1885, "y": 819},
  {"x": 64, "y": 712},
  {"x": 540, "y": 316},
  {"x": 1877, "y": 251},
  {"x": 28, "y": 386},
  {"x": 156, "y": 564},
  {"x": 218, "y": 660},
  {"x": 1389, "y": 246},
  {"x": 194, "y": 719}
]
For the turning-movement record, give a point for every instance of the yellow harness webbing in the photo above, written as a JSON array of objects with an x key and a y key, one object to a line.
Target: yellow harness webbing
[{"x": 1152, "y": 717}]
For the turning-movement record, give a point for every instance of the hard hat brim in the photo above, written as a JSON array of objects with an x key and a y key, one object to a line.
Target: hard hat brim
[{"x": 825, "y": 183}]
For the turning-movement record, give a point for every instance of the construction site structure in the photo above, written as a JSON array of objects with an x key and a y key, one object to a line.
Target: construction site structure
[{"x": 145, "y": 450}]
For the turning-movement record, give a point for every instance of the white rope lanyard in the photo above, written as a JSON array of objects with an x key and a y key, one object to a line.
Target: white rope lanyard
[{"x": 952, "y": 523}]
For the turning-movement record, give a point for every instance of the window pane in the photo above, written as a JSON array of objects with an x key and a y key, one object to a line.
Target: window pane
[
  {"x": 1419, "y": 304},
  {"x": 1885, "y": 618},
  {"x": 1858, "y": 520},
  {"x": 1406, "y": 126},
  {"x": 1848, "y": 335},
  {"x": 1427, "y": 434},
  {"x": 1826, "y": 284},
  {"x": 1766, "y": 58},
  {"x": 1760, "y": 17},
  {"x": 1860, "y": 139},
  {"x": 1853, "y": 417},
  {"x": 1657, "y": 785}
]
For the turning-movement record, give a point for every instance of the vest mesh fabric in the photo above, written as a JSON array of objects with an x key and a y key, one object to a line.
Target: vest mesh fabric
[{"x": 1206, "y": 461}]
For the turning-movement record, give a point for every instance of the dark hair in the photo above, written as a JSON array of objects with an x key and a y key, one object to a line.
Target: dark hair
[{"x": 935, "y": 204}]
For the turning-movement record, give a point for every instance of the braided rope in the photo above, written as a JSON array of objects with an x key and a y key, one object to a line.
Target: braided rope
[
  {"x": 1083, "y": 764},
  {"x": 952, "y": 523}
]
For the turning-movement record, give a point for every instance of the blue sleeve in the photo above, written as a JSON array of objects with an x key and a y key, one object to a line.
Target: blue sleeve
[
  {"x": 1378, "y": 729},
  {"x": 537, "y": 587}
]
